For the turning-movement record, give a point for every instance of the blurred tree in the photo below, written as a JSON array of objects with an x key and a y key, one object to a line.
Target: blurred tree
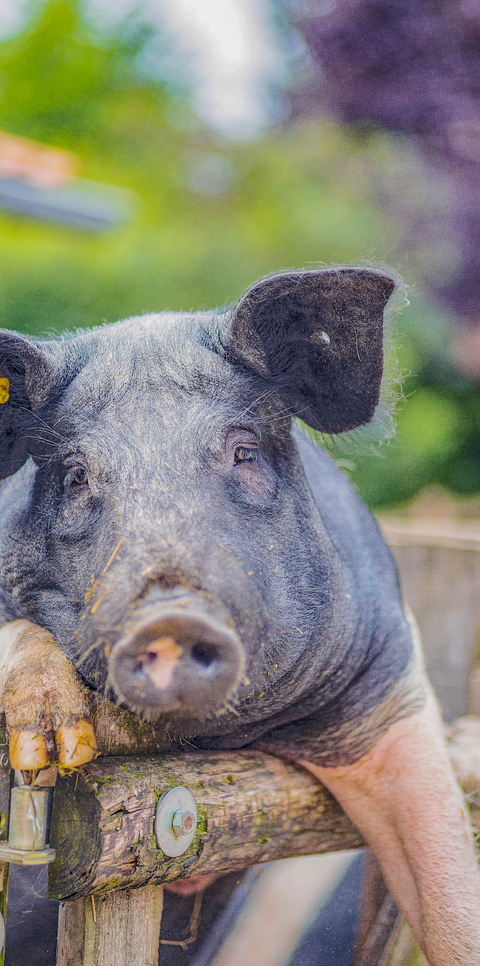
[
  {"x": 213, "y": 215},
  {"x": 61, "y": 79},
  {"x": 413, "y": 69}
]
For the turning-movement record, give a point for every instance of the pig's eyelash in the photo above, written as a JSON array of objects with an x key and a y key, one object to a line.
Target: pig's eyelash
[
  {"x": 45, "y": 459},
  {"x": 74, "y": 477},
  {"x": 244, "y": 431},
  {"x": 288, "y": 412},
  {"x": 279, "y": 415},
  {"x": 263, "y": 395},
  {"x": 50, "y": 436},
  {"x": 38, "y": 439},
  {"x": 42, "y": 421},
  {"x": 73, "y": 460}
]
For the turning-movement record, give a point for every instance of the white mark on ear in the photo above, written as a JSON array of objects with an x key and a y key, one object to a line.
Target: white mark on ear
[{"x": 320, "y": 338}]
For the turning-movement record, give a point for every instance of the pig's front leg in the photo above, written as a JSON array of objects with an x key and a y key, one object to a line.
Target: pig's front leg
[
  {"x": 46, "y": 705},
  {"x": 404, "y": 798}
]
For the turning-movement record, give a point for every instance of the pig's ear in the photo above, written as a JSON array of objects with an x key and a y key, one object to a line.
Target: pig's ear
[
  {"x": 316, "y": 336},
  {"x": 27, "y": 376}
]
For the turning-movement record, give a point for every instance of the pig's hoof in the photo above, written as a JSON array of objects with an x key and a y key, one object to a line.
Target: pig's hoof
[
  {"x": 73, "y": 745},
  {"x": 46, "y": 705},
  {"x": 76, "y": 744},
  {"x": 27, "y": 750}
]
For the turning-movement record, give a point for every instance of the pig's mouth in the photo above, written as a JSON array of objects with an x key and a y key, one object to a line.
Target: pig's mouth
[{"x": 177, "y": 658}]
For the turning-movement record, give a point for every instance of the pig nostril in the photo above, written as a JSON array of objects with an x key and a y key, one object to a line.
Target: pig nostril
[
  {"x": 204, "y": 654},
  {"x": 146, "y": 660},
  {"x": 178, "y": 659}
]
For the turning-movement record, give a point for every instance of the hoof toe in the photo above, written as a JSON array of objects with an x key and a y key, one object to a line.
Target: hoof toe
[
  {"x": 27, "y": 750},
  {"x": 76, "y": 744}
]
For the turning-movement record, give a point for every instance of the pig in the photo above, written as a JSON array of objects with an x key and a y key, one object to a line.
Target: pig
[{"x": 170, "y": 537}]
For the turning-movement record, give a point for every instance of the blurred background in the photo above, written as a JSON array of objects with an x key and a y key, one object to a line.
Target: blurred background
[{"x": 167, "y": 153}]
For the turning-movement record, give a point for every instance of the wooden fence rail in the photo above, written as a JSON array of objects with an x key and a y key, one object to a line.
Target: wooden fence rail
[{"x": 252, "y": 808}]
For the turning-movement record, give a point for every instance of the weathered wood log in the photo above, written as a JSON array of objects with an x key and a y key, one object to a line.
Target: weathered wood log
[
  {"x": 4, "y": 810},
  {"x": 120, "y": 732},
  {"x": 384, "y": 928},
  {"x": 252, "y": 808},
  {"x": 401, "y": 948},
  {"x": 285, "y": 899},
  {"x": 373, "y": 893}
]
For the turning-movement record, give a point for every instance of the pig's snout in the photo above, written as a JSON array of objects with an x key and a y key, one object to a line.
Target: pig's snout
[{"x": 177, "y": 659}]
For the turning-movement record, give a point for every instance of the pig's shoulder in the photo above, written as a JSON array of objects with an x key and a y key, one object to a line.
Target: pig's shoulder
[{"x": 380, "y": 679}]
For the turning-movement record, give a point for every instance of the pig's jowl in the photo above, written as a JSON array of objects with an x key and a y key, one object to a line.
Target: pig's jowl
[{"x": 208, "y": 567}]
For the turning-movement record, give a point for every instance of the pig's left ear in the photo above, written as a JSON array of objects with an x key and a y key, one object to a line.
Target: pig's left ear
[
  {"x": 28, "y": 374},
  {"x": 316, "y": 336}
]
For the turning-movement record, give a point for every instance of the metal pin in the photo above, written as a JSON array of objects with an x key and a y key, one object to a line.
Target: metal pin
[
  {"x": 27, "y": 834},
  {"x": 28, "y": 818}
]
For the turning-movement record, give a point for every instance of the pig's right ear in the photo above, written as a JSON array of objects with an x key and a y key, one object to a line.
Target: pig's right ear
[
  {"x": 316, "y": 338},
  {"x": 27, "y": 377}
]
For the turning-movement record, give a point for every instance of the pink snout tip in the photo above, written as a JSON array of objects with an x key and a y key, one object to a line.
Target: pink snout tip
[{"x": 177, "y": 658}]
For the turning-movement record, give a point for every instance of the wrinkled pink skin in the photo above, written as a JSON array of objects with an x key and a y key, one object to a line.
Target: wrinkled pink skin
[{"x": 404, "y": 798}]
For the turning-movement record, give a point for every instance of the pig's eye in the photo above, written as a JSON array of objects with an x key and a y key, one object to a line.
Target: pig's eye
[
  {"x": 76, "y": 477},
  {"x": 245, "y": 454}
]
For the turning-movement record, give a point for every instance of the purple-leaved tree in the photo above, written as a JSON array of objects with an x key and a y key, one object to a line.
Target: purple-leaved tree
[{"x": 413, "y": 68}]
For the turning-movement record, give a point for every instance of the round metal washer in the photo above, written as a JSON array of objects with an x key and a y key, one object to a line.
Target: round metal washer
[{"x": 176, "y": 799}]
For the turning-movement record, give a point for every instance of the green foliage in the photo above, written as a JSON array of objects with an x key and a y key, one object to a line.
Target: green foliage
[
  {"x": 62, "y": 83},
  {"x": 437, "y": 440},
  {"x": 295, "y": 198},
  {"x": 292, "y": 199}
]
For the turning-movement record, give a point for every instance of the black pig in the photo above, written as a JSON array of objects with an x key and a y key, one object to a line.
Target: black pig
[{"x": 205, "y": 566}]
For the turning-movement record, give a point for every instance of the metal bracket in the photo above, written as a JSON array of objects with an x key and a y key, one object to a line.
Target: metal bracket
[
  {"x": 27, "y": 834},
  {"x": 26, "y": 856}
]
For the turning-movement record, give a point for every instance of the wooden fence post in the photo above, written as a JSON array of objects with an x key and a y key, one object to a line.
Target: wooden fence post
[{"x": 120, "y": 929}]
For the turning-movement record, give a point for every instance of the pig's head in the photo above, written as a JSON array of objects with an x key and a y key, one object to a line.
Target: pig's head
[{"x": 163, "y": 528}]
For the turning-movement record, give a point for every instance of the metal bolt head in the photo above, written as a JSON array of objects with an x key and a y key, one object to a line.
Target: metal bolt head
[
  {"x": 183, "y": 821},
  {"x": 175, "y": 821}
]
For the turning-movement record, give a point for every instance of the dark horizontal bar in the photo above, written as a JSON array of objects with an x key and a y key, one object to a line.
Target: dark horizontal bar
[{"x": 83, "y": 203}]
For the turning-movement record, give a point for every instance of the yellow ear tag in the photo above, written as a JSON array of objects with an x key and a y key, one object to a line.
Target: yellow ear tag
[{"x": 4, "y": 387}]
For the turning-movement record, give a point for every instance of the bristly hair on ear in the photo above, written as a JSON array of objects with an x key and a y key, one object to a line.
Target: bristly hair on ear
[
  {"x": 314, "y": 338},
  {"x": 370, "y": 437}
]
